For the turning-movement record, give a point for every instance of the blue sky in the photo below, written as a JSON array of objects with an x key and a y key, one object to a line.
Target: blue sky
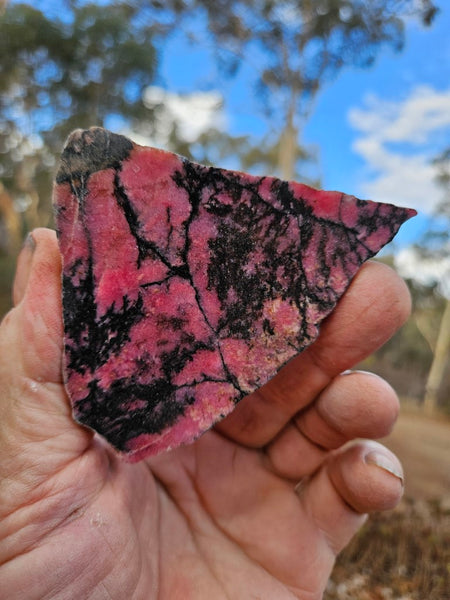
[{"x": 411, "y": 90}]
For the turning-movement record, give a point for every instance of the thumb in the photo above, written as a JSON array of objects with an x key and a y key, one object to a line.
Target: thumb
[
  {"x": 36, "y": 320},
  {"x": 37, "y": 432},
  {"x": 23, "y": 269}
]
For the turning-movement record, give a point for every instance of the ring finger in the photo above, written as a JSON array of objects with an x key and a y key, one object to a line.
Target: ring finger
[{"x": 354, "y": 405}]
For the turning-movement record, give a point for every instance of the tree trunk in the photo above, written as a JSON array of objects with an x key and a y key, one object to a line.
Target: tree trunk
[
  {"x": 11, "y": 223},
  {"x": 440, "y": 358},
  {"x": 287, "y": 150}
]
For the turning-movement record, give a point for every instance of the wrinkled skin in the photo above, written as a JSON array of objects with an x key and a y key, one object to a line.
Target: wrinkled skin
[{"x": 225, "y": 517}]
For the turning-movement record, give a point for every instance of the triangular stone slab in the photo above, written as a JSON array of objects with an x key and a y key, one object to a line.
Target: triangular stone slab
[{"x": 187, "y": 287}]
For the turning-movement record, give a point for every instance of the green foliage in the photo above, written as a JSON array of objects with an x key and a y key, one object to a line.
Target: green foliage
[
  {"x": 60, "y": 73},
  {"x": 307, "y": 42},
  {"x": 302, "y": 44}
]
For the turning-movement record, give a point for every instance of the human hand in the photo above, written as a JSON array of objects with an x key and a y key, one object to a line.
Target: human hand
[{"x": 224, "y": 517}]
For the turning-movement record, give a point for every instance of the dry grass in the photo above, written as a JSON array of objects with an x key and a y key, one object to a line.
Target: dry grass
[{"x": 400, "y": 555}]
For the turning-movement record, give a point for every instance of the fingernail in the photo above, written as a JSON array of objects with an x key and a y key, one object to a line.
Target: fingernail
[
  {"x": 383, "y": 461},
  {"x": 23, "y": 269},
  {"x": 30, "y": 243}
]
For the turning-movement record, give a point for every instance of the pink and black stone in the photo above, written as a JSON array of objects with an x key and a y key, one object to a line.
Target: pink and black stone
[{"x": 187, "y": 287}]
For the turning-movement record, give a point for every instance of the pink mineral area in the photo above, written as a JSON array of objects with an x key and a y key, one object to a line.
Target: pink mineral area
[
  {"x": 203, "y": 361},
  {"x": 326, "y": 205},
  {"x": 172, "y": 307},
  {"x": 186, "y": 288},
  {"x": 162, "y": 210},
  {"x": 202, "y": 230},
  {"x": 114, "y": 253},
  {"x": 114, "y": 284},
  {"x": 284, "y": 317},
  {"x": 254, "y": 364},
  {"x": 349, "y": 211}
]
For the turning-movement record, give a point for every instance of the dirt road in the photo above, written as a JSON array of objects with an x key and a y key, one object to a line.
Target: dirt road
[{"x": 423, "y": 445}]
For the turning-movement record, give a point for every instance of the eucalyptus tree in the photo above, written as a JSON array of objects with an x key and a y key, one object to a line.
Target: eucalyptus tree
[
  {"x": 68, "y": 65},
  {"x": 301, "y": 44}
]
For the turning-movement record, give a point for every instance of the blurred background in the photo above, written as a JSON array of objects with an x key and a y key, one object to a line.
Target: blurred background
[{"x": 352, "y": 95}]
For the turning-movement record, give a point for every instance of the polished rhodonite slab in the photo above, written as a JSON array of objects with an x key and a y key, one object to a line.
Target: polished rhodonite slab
[{"x": 187, "y": 287}]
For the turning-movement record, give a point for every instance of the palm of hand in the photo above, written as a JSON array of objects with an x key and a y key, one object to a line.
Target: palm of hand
[
  {"x": 218, "y": 519},
  {"x": 191, "y": 527}
]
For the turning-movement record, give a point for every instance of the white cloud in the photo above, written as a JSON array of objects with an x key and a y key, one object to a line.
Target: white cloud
[
  {"x": 192, "y": 114},
  {"x": 428, "y": 270},
  {"x": 398, "y": 141}
]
